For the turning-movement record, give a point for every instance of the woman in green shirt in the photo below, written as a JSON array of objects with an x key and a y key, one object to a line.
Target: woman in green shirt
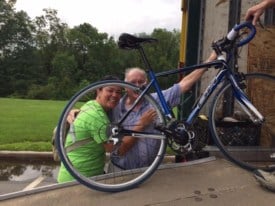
[{"x": 89, "y": 159}]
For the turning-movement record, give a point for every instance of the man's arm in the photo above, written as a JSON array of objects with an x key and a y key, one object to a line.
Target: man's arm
[
  {"x": 189, "y": 80},
  {"x": 128, "y": 142}
]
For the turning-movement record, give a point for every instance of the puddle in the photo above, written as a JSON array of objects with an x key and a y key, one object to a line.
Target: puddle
[{"x": 25, "y": 170}]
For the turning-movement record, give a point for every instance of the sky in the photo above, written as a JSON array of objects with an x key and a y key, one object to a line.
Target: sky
[{"x": 111, "y": 16}]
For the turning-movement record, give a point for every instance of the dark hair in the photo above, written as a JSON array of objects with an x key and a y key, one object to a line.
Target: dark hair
[{"x": 110, "y": 77}]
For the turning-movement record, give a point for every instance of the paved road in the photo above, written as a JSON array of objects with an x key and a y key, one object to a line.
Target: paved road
[{"x": 209, "y": 182}]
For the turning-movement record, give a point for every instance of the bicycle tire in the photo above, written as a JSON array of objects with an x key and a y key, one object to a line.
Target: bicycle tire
[
  {"x": 112, "y": 181},
  {"x": 246, "y": 144}
]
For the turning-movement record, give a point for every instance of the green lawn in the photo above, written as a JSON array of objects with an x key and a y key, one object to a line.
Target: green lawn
[{"x": 28, "y": 124}]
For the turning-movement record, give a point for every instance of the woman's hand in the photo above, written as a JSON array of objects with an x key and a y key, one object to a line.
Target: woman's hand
[{"x": 72, "y": 115}]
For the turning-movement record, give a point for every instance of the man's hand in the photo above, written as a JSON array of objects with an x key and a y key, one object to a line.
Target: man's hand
[
  {"x": 147, "y": 118},
  {"x": 128, "y": 142}
]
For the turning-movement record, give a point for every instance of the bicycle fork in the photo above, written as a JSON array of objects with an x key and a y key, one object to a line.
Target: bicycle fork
[{"x": 254, "y": 115}]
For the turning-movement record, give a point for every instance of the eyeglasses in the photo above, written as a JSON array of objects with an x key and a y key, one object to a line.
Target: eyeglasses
[{"x": 138, "y": 82}]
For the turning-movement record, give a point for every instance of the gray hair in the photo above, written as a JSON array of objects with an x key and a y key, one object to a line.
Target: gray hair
[{"x": 128, "y": 70}]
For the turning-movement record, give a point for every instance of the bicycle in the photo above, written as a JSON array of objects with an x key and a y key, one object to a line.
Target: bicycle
[{"x": 227, "y": 88}]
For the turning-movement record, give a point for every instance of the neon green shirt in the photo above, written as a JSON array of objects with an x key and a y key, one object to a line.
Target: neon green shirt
[{"x": 88, "y": 159}]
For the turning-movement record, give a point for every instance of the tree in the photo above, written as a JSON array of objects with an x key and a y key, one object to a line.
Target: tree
[
  {"x": 45, "y": 59},
  {"x": 165, "y": 54},
  {"x": 16, "y": 45},
  {"x": 50, "y": 37},
  {"x": 64, "y": 66},
  {"x": 93, "y": 51}
]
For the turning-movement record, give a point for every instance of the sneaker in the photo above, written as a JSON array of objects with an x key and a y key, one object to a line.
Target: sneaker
[{"x": 266, "y": 179}]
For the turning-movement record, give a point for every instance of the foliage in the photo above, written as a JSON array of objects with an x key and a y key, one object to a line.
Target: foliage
[{"x": 42, "y": 58}]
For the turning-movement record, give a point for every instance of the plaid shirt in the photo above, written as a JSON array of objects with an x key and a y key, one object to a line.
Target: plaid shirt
[{"x": 144, "y": 151}]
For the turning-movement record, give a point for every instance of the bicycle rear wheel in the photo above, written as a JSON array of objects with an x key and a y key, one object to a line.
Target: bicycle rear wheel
[
  {"x": 113, "y": 179},
  {"x": 249, "y": 145}
]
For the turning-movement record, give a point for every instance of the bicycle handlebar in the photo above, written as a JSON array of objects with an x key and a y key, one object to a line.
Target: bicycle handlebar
[
  {"x": 233, "y": 33},
  {"x": 227, "y": 43}
]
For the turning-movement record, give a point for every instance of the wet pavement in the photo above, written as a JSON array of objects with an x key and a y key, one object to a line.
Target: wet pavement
[
  {"x": 18, "y": 170},
  {"x": 24, "y": 170},
  {"x": 208, "y": 181}
]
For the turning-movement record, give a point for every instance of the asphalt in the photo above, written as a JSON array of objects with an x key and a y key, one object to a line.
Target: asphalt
[{"x": 207, "y": 181}]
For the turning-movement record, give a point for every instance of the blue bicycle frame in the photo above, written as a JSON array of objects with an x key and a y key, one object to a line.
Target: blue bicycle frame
[{"x": 224, "y": 72}]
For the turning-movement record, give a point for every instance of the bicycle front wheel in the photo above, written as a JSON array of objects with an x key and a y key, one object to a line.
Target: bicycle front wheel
[
  {"x": 111, "y": 178},
  {"x": 249, "y": 145}
]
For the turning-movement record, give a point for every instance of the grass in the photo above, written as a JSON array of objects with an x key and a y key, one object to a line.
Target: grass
[{"x": 28, "y": 124}]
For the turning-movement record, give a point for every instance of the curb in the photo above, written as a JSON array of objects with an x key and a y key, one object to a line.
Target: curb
[
  {"x": 23, "y": 155},
  {"x": 33, "y": 155}
]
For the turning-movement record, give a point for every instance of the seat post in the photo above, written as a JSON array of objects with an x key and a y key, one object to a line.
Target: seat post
[{"x": 144, "y": 58}]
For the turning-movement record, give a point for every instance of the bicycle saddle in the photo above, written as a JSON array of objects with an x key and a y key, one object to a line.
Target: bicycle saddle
[{"x": 128, "y": 41}]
